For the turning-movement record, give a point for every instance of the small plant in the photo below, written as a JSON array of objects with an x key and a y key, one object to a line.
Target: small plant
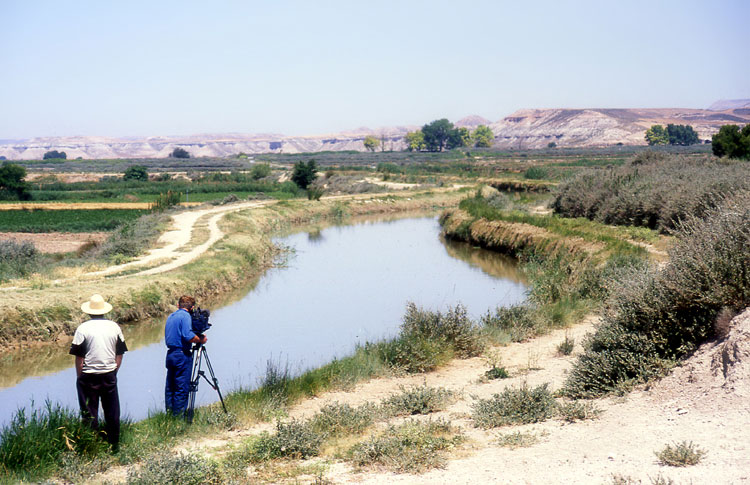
[
  {"x": 182, "y": 469},
  {"x": 496, "y": 370},
  {"x": 17, "y": 259},
  {"x": 578, "y": 411},
  {"x": 412, "y": 447},
  {"x": 517, "y": 320},
  {"x": 453, "y": 328},
  {"x": 517, "y": 439},
  {"x": 418, "y": 400},
  {"x": 566, "y": 346},
  {"x": 165, "y": 201},
  {"x": 681, "y": 454},
  {"x": 339, "y": 419},
  {"x": 315, "y": 192},
  {"x": 293, "y": 439},
  {"x": 515, "y": 406},
  {"x": 535, "y": 173}
]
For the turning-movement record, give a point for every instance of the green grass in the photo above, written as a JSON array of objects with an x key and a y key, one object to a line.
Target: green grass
[{"x": 89, "y": 220}]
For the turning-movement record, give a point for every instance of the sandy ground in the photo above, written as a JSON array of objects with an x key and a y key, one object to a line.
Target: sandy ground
[
  {"x": 706, "y": 401},
  {"x": 60, "y": 242}
]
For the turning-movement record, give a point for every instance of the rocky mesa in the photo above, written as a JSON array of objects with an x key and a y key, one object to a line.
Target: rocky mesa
[{"x": 524, "y": 129}]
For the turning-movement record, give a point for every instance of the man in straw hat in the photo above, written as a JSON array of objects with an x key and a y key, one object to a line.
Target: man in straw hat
[{"x": 98, "y": 345}]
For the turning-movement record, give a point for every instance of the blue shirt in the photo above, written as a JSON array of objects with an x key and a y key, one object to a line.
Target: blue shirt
[{"x": 179, "y": 330}]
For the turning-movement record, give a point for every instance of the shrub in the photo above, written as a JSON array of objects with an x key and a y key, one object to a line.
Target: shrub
[
  {"x": 517, "y": 439},
  {"x": 566, "y": 346},
  {"x": 578, "y": 411},
  {"x": 259, "y": 171},
  {"x": 179, "y": 153},
  {"x": 315, "y": 192},
  {"x": 293, "y": 439},
  {"x": 181, "y": 469},
  {"x": 647, "y": 193},
  {"x": 136, "y": 172},
  {"x": 453, "y": 328},
  {"x": 518, "y": 320},
  {"x": 338, "y": 419},
  {"x": 535, "y": 173},
  {"x": 654, "y": 317},
  {"x": 514, "y": 406},
  {"x": 133, "y": 237},
  {"x": 413, "y": 446},
  {"x": 681, "y": 454},
  {"x": 418, "y": 400},
  {"x": 413, "y": 353},
  {"x": 165, "y": 201},
  {"x": 17, "y": 259}
]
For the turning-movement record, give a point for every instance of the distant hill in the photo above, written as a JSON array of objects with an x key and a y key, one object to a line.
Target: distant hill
[
  {"x": 725, "y": 104},
  {"x": 528, "y": 128},
  {"x": 536, "y": 128}
]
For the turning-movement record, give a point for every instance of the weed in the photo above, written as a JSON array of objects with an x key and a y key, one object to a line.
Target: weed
[
  {"x": 181, "y": 469},
  {"x": 418, "y": 400},
  {"x": 496, "y": 370},
  {"x": 681, "y": 454},
  {"x": 293, "y": 439},
  {"x": 412, "y": 447},
  {"x": 517, "y": 439},
  {"x": 519, "y": 321},
  {"x": 566, "y": 346},
  {"x": 453, "y": 328},
  {"x": 578, "y": 411},
  {"x": 413, "y": 353},
  {"x": 17, "y": 259},
  {"x": 514, "y": 406},
  {"x": 338, "y": 419},
  {"x": 315, "y": 192}
]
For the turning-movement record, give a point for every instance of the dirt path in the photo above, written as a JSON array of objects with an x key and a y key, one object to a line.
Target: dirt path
[{"x": 621, "y": 442}]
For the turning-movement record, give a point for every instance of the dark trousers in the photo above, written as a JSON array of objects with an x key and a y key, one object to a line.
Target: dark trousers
[
  {"x": 95, "y": 387},
  {"x": 177, "y": 388}
]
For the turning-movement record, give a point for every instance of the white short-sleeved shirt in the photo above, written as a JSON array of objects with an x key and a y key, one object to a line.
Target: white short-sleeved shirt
[{"x": 98, "y": 341}]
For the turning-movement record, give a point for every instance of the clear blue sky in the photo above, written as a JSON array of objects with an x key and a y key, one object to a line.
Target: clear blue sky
[{"x": 158, "y": 67}]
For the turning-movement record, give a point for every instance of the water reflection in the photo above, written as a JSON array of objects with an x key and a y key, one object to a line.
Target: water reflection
[{"x": 341, "y": 286}]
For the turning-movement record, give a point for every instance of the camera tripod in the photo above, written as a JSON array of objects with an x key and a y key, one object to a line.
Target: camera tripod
[{"x": 199, "y": 352}]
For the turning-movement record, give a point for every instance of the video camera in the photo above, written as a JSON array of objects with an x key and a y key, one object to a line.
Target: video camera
[{"x": 200, "y": 320}]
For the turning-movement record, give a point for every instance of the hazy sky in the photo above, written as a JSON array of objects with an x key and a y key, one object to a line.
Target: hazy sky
[{"x": 157, "y": 67}]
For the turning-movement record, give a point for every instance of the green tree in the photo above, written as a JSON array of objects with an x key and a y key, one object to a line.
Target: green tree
[
  {"x": 415, "y": 141},
  {"x": 436, "y": 134},
  {"x": 259, "y": 171},
  {"x": 136, "y": 172},
  {"x": 657, "y": 135},
  {"x": 304, "y": 173},
  {"x": 732, "y": 142},
  {"x": 12, "y": 182},
  {"x": 483, "y": 137},
  {"x": 682, "y": 135},
  {"x": 179, "y": 153},
  {"x": 371, "y": 143},
  {"x": 54, "y": 154},
  {"x": 458, "y": 137}
]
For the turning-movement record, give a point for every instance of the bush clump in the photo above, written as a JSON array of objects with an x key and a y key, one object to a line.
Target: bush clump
[
  {"x": 654, "y": 317},
  {"x": 418, "y": 400},
  {"x": 293, "y": 439},
  {"x": 181, "y": 469},
  {"x": 681, "y": 454},
  {"x": 17, "y": 259},
  {"x": 652, "y": 191},
  {"x": 411, "y": 447},
  {"x": 518, "y": 321},
  {"x": 338, "y": 419},
  {"x": 515, "y": 406},
  {"x": 430, "y": 338}
]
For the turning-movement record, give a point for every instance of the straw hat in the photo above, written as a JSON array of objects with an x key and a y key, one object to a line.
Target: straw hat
[{"x": 96, "y": 306}]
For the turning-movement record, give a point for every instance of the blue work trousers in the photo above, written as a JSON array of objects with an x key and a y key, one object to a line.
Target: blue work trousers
[{"x": 179, "y": 366}]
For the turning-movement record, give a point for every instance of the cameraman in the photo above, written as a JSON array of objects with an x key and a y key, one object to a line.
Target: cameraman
[{"x": 179, "y": 337}]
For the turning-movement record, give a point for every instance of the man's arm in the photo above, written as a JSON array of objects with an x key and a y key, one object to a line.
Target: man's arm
[
  {"x": 118, "y": 362},
  {"x": 79, "y": 366},
  {"x": 198, "y": 340}
]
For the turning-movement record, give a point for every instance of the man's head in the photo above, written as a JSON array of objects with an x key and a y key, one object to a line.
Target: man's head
[{"x": 186, "y": 302}]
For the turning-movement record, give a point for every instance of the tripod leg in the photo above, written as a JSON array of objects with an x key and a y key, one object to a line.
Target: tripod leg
[
  {"x": 195, "y": 375},
  {"x": 215, "y": 384}
]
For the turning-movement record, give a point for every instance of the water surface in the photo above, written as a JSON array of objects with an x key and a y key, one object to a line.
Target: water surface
[{"x": 339, "y": 286}]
